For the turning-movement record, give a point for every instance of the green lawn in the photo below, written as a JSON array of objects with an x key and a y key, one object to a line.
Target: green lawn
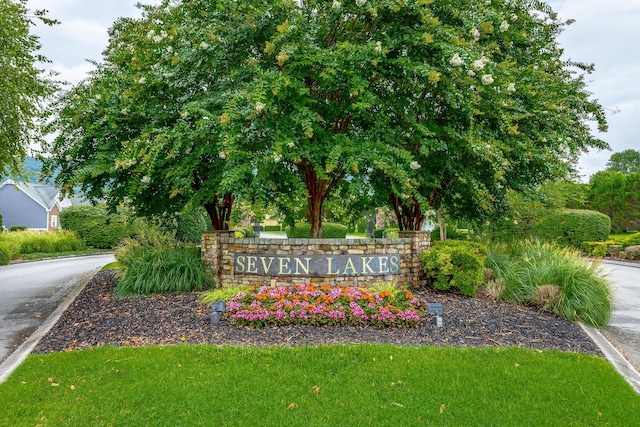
[{"x": 377, "y": 385}]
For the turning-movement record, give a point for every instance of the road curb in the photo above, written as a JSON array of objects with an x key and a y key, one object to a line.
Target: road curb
[
  {"x": 17, "y": 357},
  {"x": 619, "y": 362}
]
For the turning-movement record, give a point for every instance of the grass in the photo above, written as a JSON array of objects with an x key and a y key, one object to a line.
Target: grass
[
  {"x": 41, "y": 255},
  {"x": 554, "y": 278},
  {"x": 378, "y": 385}
]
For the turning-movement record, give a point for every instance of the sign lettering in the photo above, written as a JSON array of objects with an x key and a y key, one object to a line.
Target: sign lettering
[{"x": 316, "y": 265}]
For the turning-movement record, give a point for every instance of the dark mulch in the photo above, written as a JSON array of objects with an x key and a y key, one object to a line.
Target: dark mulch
[{"x": 96, "y": 318}]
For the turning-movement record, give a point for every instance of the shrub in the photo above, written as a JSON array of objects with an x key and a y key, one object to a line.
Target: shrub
[
  {"x": 248, "y": 231},
  {"x": 5, "y": 253},
  {"x": 597, "y": 249},
  {"x": 632, "y": 240},
  {"x": 190, "y": 224},
  {"x": 378, "y": 233},
  {"x": 527, "y": 266},
  {"x": 155, "y": 263},
  {"x": 17, "y": 228},
  {"x": 28, "y": 242},
  {"x": 97, "y": 227},
  {"x": 272, "y": 228},
  {"x": 330, "y": 230},
  {"x": 573, "y": 226},
  {"x": 391, "y": 233},
  {"x": 455, "y": 263}
]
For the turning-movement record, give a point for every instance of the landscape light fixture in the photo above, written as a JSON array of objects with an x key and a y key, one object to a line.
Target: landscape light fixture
[
  {"x": 217, "y": 308},
  {"x": 434, "y": 308}
]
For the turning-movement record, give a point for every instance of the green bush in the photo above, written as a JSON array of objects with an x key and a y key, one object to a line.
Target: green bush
[
  {"x": 156, "y": 263},
  {"x": 28, "y": 242},
  {"x": 96, "y": 226},
  {"x": 597, "y": 249},
  {"x": 632, "y": 240},
  {"x": 378, "y": 233},
  {"x": 553, "y": 278},
  {"x": 455, "y": 263},
  {"x": 302, "y": 230},
  {"x": 454, "y": 234},
  {"x": 572, "y": 227},
  {"x": 391, "y": 233},
  {"x": 5, "y": 253},
  {"x": 17, "y": 228},
  {"x": 248, "y": 231},
  {"x": 190, "y": 224}
]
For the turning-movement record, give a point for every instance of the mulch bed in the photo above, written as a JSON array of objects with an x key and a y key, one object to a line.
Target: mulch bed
[{"x": 96, "y": 318}]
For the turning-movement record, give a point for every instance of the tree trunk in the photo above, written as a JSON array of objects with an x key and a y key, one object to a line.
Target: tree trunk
[
  {"x": 219, "y": 211},
  {"x": 408, "y": 212},
  {"x": 318, "y": 190}
]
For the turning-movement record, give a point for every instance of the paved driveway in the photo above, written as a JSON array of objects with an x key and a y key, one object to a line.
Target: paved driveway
[
  {"x": 623, "y": 330},
  {"x": 31, "y": 291}
]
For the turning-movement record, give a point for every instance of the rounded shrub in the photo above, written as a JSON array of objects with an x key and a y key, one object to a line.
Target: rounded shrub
[
  {"x": 455, "y": 264},
  {"x": 573, "y": 227}
]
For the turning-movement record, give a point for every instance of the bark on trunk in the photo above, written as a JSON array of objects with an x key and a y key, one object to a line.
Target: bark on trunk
[
  {"x": 318, "y": 190},
  {"x": 219, "y": 211},
  {"x": 408, "y": 212}
]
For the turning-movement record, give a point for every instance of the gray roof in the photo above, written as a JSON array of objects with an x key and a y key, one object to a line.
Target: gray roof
[{"x": 44, "y": 195}]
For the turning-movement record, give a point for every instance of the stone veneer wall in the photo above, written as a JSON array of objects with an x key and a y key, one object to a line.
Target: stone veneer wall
[{"x": 218, "y": 250}]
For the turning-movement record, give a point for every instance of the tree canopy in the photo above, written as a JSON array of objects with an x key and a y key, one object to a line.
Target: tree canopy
[
  {"x": 24, "y": 85},
  {"x": 425, "y": 104},
  {"x": 626, "y": 161}
]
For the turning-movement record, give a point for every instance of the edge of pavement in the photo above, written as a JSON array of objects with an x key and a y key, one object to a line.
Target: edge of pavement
[
  {"x": 619, "y": 362},
  {"x": 14, "y": 360}
]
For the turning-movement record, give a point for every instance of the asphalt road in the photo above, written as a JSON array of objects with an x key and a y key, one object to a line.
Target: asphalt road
[
  {"x": 31, "y": 291},
  {"x": 623, "y": 330}
]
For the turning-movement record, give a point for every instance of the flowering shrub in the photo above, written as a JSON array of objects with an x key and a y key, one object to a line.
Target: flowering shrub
[{"x": 324, "y": 305}]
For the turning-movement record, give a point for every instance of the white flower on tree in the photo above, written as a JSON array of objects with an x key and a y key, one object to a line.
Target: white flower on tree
[
  {"x": 455, "y": 60},
  {"x": 486, "y": 79},
  {"x": 414, "y": 165},
  {"x": 504, "y": 26},
  {"x": 361, "y": 3},
  {"x": 336, "y": 4},
  {"x": 475, "y": 34},
  {"x": 479, "y": 64},
  {"x": 378, "y": 46},
  {"x": 260, "y": 106},
  {"x": 511, "y": 87},
  {"x": 222, "y": 155}
]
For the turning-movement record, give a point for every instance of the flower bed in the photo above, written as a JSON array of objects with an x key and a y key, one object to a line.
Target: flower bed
[{"x": 325, "y": 305}]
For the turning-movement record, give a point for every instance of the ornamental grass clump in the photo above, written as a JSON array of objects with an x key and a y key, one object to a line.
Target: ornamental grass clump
[
  {"x": 553, "y": 278},
  {"x": 324, "y": 305}
]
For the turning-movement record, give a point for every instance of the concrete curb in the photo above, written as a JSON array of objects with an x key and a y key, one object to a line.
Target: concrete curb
[
  {"x": 17, "y": 357},
  {"x": 612, "y": 354}
]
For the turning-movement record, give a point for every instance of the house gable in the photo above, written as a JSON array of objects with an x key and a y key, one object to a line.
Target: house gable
[{"x": 20, "y": 209}]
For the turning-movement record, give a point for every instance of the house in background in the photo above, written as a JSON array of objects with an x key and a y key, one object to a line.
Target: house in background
[{"x": 35, "y": 206}]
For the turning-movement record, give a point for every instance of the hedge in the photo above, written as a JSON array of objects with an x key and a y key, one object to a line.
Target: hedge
[
  {"x": 302, "y": 230},
  {"x": 97, "y": 227},
  {"x": 573, "y": 227}
]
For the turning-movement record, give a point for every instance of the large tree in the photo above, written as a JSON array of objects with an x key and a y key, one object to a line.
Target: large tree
[
  {"x": 24, "y": 86},
  {"x": 617, "y": 195},
  {"x": 626, "y": 161},
  {"x": 505, "y": 112},
  {"x": 424, "y": 103}
]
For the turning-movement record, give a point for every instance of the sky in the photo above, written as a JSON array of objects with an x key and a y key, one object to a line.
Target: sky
[{"x": 602, "y": 34}]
